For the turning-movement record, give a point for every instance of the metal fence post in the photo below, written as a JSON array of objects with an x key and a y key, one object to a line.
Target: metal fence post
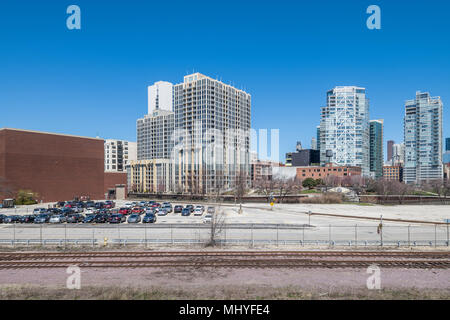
[
  {"x": 303, "y": 240},
  {"x": 435, "y": 235},
  {"x": 277, "y": 236},
  {"x": 356, "y": 235},
  {"x": 65, "y": 236},
  {"x": 40, "y": 233},
  {"x": 14, "y": 242},
  {"x": 145, "y": 235},
  {"x": 171, "y": 234},
  {"x": 253, "y": 242},
  {"x": 447, "y": 235},
  {"x": 329, "y": 234},
  {"x": 409, "y": 235},
  {"x": 93, "y": 236},
  {"x": 118, "y": 231}
]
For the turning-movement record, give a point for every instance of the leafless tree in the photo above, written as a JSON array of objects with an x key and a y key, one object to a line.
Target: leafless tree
[
  {"x": 401, "y": 189},
  {"x": 217, "y": 226},
  {"x": 332, "y": 181},
  {"x": 439, "y": 186},
  {"x": 286, "y": 187},
  {"x": 265, "y": 186}
]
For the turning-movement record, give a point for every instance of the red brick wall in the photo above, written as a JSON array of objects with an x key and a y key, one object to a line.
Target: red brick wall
[
  {"x": 113, "y": 178},
  {"x": 57, "y": 167}
]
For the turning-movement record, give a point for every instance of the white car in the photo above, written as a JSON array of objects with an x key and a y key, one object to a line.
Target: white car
[
  {"x": 89, "y": 211},
  {"x": 128, "y": 205},
  {"x": 198, "y": 211},
  {"x": 207, "y": 218}
]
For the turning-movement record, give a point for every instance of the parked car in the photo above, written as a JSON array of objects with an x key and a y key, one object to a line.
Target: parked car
[
  {"x": 66, "y": 211},
  {"x": 168, "y": 206},
  {"x": 207, "y": 218},
  {"x": 77, "y": 209},
  {"x": 163, "y": 211},
  {"x": 2, "y": 218},
  {"x": 198, "y": 211},
  {"x": 27, "y": 219},
  {"x": 134, "y": 218},
  {"x": 177, "y": 209},
  {"x": 156, "y": 205},
  {"x": 101, "y": 218},
  {"x": 128, "y": 205},
  {"x": 58, "y": 218},
  {"x": 75, "y": 218},
  {"x": 99, "y": 205},
  {"x": 39, "y": 210},
  {"x": 56, "y": 210},
  {"x": 186, "y": 212},
  {"x": 60, "y": 204},
  {"x": 190, "y": 207},
  {"x": 125, "y": 211},
  {"x": 211, "y": 210},
  {"x": 109, "y": 204},
  {"x": 149, "y": 218},
  {"x": 42, "y": 218},
  {"x": 12, "y": 219},
  {"x": 202, "y": 208},
  {"x": 137, "y": 210},
  {"x": 90, "y": 204},
  {"x": 90, "y": 210},
  {"x": 116, "y": 218},
  {"x": 89, "y": 218}
]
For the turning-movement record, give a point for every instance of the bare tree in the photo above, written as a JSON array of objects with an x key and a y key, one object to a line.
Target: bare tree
[
  {"x": 217, "y": 226},
  {"x": 265, "y": 187},
  {"x": 401, "y": 189},
  {"x": 286, "y": 187}
]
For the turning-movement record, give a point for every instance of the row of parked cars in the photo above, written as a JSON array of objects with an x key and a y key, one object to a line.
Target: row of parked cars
[{"x": 106, "y": 212}]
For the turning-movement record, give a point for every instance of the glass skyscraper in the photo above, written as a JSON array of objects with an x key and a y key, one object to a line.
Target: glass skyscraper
[
  {"x": 423, "y": 139},
  {"x": 344, "y": 128},
  {"x": 376, "y": 148}
]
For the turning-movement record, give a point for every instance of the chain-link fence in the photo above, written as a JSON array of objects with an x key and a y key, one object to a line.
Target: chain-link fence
[{"x": 248, "y": 234}]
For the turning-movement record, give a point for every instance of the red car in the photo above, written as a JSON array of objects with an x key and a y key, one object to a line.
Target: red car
[
  {"x": 125, "y": 211},
  {"x": 156, "y": 205},
  {"x": 109, "y": 204},
  {"x": 137, "y": 210}
]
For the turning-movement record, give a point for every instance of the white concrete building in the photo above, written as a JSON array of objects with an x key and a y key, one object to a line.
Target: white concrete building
[
  {"x": 344, "y": 128},
  {"x": 160, "y": 96},
  {"x": 118, "y": 154},
  {"x": 423, "y": 139}
]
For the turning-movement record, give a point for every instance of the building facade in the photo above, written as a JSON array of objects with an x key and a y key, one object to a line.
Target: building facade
[
  {"x": 55, "y": 166},
  {"x": 321, "y": 172},
  {"x": 344, "y": 128},
  {"x": 152, "y": 176},
  {"x": 160, "y": 97},
  {"x": 390, "y": 145},
  {"x": 212, "y": 135},
  {"x": 155, "y": 135},
  {"x": 376, "y": 148},
  {"x": 393, "y": 173},
  {"x": 398, "y": 154},
  {"x": 118, "y": 154},
  {"x": 305, "y": 157},
  {"x": 423, "y": 139}
]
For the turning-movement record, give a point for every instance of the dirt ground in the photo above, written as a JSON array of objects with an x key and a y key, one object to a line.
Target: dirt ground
[{"x": 208, "y": 283}]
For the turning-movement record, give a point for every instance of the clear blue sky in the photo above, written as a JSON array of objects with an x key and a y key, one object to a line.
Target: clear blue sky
[{"x": 286, "y": 54}]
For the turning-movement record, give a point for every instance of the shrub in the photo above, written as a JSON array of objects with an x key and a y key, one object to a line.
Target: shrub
[
  {"x": 327, "y": 198},
  {"x": 26, "y": 197}
]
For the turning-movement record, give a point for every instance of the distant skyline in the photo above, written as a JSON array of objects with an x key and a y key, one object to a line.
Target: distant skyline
[{"x": 93, "y": 81}]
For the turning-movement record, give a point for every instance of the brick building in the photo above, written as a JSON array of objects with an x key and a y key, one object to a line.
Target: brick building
[
  {"x": 57, "y": 167},
  {"x": 393, "y": 173},
  {"x": 321, "y": 172}
]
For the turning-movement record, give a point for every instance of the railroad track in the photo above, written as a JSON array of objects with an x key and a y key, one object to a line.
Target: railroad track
[
  {"x": 226, "y": 259},
  {"x": 416, "y": 264},
  {"x": 138, "y": 254}
]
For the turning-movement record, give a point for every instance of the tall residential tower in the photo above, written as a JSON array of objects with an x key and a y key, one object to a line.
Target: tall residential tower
[
  {"x": 423, "y": 139},
  {"x": 344, "y": 128}
]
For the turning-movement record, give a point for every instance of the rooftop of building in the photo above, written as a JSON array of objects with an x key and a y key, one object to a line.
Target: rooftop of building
[{"x": 49, "y": 133}]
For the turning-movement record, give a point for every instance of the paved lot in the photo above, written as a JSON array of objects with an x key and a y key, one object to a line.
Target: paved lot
[{"x": 253, "y": 225}]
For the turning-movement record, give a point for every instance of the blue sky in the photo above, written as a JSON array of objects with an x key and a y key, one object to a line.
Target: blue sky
[{"x": 286, "y": 54}]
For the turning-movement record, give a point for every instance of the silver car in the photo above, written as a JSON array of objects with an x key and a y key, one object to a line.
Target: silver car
[
  {"x": 207, "y": 218},
  {"x": 58, "y": 218}
]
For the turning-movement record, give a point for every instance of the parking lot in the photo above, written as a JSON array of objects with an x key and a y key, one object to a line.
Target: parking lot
[{"x": 251, "y": 224}]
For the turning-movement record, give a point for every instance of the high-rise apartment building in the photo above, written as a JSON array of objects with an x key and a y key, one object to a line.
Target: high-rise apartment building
[
  {"x": 318, "y": 138},
  {"x": 118, "y": 154},
  {"x": 160, "y": 96},
  {"x": 344, "y": 128},
  {"x": 376, "y": 148},
  {"x": 447, "y": 151},
  {"x": 398, "y": 154},
  {"x": 423, "y": 139},
  {"x": 314, "y": 143},
  {"x": 154, "y": 135},
  {"x": 212, "y": 135},
  {"x": 390, "y": 145}
]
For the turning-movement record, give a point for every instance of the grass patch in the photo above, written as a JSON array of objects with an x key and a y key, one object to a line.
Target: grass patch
[{"x": 216, "y": 293}]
